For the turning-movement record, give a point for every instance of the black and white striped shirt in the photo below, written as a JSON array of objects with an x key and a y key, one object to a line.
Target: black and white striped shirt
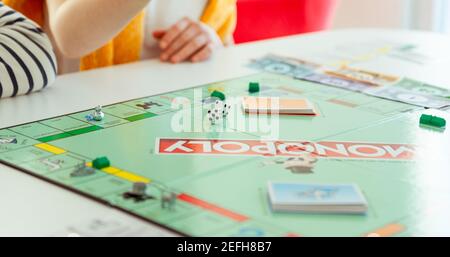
[{"x": 27, "y": 60}]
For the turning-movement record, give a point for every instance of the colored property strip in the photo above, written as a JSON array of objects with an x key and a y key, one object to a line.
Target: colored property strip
[
  {"x": 84, "y": 130},
  {"x": 344, "y": 103},
  {"x": 131, "y": 177},
  {"x": 123, "y": 174},
  {"x": 54, "y": 137},
  {"x": 92, "y": 128},
  {"x": 69, "y": 134},
  {"x": 141, "y": 116},
  {"x": 50, "y": 148},
  {"x": 211, "y": 207},
  {"x": 386, "y": 231}
]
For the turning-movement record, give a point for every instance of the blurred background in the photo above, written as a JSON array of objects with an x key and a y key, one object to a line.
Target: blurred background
[{"x": 261, "y": 19}]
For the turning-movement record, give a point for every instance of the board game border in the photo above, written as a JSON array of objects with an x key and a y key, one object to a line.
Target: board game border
[{"x": 105, "y": 202}]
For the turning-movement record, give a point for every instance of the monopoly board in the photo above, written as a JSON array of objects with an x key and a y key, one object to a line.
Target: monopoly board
[{"x": 220, "y": 172}]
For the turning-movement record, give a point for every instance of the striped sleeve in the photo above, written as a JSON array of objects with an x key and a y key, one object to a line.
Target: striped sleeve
[{"x": 27, "y": 60}]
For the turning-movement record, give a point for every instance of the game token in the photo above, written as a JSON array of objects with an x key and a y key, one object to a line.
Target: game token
[
  {"x": 82, "y": 170},
  {"x": 98, "y": 115},
  {"x": 218, "y": 94},
  {"x": 138, "y": 192},
  {"x": 101, "y": 163},
  {"x": 168, "y": 200},
  {"x": 4, "y": 141},
  {"x": 139, "y": 188},
  {"x": 148, "y": 105},
  {"x": 253, "y": 87},
  {"x": 89, "y": 117},
  {"x": 425, "y": 119},
  {"x": 301, "y": 164},
  {"x": 434, "y": 121},
  {"x": 438, "y": 122}
]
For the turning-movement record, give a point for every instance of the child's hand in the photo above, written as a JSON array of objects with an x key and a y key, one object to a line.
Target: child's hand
[{"x": 187, "y": 40}]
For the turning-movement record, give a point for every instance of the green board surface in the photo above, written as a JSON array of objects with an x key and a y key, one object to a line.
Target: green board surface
[{"x": 374, "y": 143}]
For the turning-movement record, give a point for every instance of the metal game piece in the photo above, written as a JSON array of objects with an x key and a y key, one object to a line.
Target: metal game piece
[
  {"x": 98, "y": 114},
  {"x": 8, "y": 140},
  {"x": 138, "y": 192},
  {"x": 300, "y": 165},
  {"x": 138, "y": 189},
  {"x": 168, "y": 200},
  {"x": 82, "y": 170}
]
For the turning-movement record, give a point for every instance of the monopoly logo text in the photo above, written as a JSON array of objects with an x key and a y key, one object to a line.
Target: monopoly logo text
[{"x": 285, "y": 148}]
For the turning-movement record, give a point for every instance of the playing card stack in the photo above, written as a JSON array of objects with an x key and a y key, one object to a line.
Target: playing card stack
[{"x": 316, "y": 198}]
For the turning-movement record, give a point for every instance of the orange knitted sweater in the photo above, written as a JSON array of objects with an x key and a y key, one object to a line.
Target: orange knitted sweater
[{"x": 126, "y": 47}]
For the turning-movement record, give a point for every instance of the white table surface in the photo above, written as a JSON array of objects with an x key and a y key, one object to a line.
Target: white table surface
[{"x": 33, "y": 207}]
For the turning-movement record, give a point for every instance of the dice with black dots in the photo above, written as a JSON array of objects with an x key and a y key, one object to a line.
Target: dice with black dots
[{"x": 218, "y": 112}]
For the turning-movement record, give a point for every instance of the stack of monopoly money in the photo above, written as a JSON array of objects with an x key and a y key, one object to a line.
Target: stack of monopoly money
[
  {"x": 389, "y": 87},
  {"x": 283, "y": 65}
]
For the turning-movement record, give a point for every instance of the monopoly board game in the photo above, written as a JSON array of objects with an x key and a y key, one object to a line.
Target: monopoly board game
[{"x": 219, "y": 173}]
